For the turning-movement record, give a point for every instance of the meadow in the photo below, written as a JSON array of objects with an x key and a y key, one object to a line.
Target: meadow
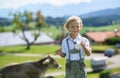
[{"x": 6, "y": 58}]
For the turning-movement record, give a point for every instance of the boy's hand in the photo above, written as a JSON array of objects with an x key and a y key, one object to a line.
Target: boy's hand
[
  {"x": 87, "y": 52},
  {"x": 58, "y": 52},
  {"x": 82, "y": 44}
]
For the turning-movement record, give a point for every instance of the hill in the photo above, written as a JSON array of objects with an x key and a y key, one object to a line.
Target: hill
[
  {"x": 106, "y": 12},
  {"x": 97, "y": 18}
]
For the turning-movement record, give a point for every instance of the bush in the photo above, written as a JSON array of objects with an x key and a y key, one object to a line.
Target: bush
[
  {"x": 113, "y": 40},
  {"x": 104, "y": 75}
]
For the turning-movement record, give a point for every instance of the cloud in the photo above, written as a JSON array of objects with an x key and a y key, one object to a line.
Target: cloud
[
  {"x": 61, "y": 2},
  {"x": 17, "y": 3}
]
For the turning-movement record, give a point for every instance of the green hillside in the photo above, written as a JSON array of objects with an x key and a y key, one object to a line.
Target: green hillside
[{"x": 57, "y": 31}]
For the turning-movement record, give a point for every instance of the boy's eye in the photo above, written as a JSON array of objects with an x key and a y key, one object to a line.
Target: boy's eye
[{"x": 77, "y": 26}]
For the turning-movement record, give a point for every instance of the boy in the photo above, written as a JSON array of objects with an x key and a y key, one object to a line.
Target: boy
[{"x": 74, "y": 48}]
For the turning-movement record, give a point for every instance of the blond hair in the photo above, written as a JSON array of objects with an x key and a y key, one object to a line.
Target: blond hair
[{"x": 71, "y": 19}]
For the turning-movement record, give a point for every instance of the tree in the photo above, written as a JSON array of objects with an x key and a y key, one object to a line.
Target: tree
[{"x": 26, "y": 22}]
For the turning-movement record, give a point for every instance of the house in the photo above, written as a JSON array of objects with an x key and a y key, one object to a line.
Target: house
[
  {"x": 100, "y": 37},
  {"x": 9, "y": 38}
]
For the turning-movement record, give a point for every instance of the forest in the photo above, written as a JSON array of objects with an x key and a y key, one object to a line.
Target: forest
[{"x": 90, "y": 21}]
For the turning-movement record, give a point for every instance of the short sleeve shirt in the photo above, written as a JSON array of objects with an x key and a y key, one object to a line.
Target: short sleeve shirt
[{"x": 72, "y": 45}]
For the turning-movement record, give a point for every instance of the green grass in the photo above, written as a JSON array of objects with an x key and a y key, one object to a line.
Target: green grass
[
  {"x": 101, "y": 28},
  {"x": 93, "y": 75},
  {"x": 101, "y": 48},
  {"x": 89, "y": 75},
  {"x": 60, "y": 76},
  {"x": 105, "y": 73},
  {"x": 112, "y": 70},
  {"x": 48, "y": 49},
  {"x": 9, "y": 59},
  {"x": 96, "y": 74},
  {"x": 39, "y": 49}
]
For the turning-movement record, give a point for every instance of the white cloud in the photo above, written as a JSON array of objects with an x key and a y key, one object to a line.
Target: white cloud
[
  {"x": 17, "y": 3},
  {"x": 63, "y": 2}
]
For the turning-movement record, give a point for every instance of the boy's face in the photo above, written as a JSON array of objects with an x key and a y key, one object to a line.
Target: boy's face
[{"x": 74, "y": 27}]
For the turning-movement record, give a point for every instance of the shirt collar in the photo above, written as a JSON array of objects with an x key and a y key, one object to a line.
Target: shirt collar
[{"x": 78, "y": 37}]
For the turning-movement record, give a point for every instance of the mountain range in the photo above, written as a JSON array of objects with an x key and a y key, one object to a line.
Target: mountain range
[{"x": 106, "y": 12}]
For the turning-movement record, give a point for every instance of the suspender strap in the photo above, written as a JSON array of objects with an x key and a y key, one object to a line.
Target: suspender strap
[
  {"x": 80, "y": 54},
  {"x": 69, "y": 50}
]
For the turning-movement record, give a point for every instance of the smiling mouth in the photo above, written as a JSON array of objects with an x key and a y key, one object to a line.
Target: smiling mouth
[{"x": 75, "y": 31}]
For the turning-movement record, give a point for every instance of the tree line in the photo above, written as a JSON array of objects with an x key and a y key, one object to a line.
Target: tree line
[
  {"x": 91, "y": 21},
  {"x": 102, "y": 20}
]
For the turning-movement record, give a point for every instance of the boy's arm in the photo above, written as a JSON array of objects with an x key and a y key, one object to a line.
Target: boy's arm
[{"x": 87, "y": 52}]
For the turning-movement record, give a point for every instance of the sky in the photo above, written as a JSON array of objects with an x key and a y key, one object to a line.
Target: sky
[
  {"x": 57, "y": 7},
  {"x": 20, "y": 3}
]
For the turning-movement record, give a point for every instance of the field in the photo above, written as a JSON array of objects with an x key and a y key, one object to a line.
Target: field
[{"x": 6, "y": 59}]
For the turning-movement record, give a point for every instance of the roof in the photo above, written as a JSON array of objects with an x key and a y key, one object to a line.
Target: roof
[
  {"x": 100, "y": 36},
  {"x": 9, "y": 38}
]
